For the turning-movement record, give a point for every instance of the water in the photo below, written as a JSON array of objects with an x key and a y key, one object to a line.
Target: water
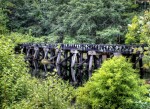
[{"x": 74, "y": 75}]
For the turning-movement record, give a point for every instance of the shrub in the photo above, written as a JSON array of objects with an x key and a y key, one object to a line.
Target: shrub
[
  {"x": 114, "y": 86},
  {"x": 139, "y": 32},
  {"x": 12, "y": 69},
  {"x": 18, "y": 90},
  {"x": 51, "y": 93}
]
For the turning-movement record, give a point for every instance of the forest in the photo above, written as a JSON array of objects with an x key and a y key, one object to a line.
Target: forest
[{"x": 116, "y": 85}]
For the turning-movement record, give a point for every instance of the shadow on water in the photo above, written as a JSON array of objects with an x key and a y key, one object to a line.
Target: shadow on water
[{"x": 40, "y": 70}]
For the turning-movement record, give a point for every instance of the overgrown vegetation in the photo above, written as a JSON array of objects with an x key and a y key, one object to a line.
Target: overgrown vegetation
[
  {"x": 20, "y": 91},
  {"x": 114, "y": 86},
  {"x": 139, "y": 33},
  {"x": 3, "y": 21}
]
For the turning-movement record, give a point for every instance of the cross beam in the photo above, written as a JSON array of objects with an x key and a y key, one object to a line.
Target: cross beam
[{"x": 78, "y": 59}]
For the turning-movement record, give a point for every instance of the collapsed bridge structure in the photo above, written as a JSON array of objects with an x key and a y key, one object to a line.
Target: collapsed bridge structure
[{"x": 75, "y": 61}]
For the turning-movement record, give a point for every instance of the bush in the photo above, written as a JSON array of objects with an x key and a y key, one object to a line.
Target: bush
[
  {"x": 51, "y": 93},
  {"x": 18, "y": 90},
  {"x": 114, "y": 86},
  {"x": 139, "y": 32},
  {"x": 12, "y": 68}
]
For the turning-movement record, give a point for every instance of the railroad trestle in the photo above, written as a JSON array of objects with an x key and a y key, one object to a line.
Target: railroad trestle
[{"x": 78, "y": 59}]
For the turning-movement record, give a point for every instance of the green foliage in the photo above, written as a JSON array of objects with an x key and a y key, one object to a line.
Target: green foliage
[
  {"x": 79, "y": 19},
  {"x": 70, "y": 40},
  {"x": 3, "y": 21},
  {"x": 20, "y": 91},
  {"x": 51, "y": 93},
  {"x": 85, "y": 39},
  {"x": 139, "y": 32},
  {"x": 133, "y": 36},
  {"x": 85, "y": 18},
  {"x": 114, "y": 86},
  {"x": 19, "y": 38},
  {"x": 46, "y": 39},
  {"x": 12, "y": 69},
  {"x": 108, "y": 35}
]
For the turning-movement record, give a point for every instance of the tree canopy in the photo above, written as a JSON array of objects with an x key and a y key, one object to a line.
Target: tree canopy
[{"x": 85, "y": 19}]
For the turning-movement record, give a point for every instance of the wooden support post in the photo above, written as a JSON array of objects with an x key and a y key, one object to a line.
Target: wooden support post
[
  {"x": 72, "y": 67},
  {"x": 51, "y": 61},
  {"x": 65, "y": 57},
  {"x": 90, "y": 65},
  {"x": 141, "y": 68},
  {"x": 52, "y": 54},
  {"x": 57, "y": 63},
  {"x": 95, "y": 62},
  {"x": 45, "y": 70},
  {"x": 70, "y": 55},
  {"x": 73, "y": 60},
  {"x": 36, "y": 53},
  {"x": 87, "y": 65},
  {"x": 41, "y": 54},
  {"x": 46, "y": 50},
  {"x": 74, "y": 57},
  {"x": 36, "y": 67},
  {"x": 23, "y": 50},
  {"x": 81, "y": 59},
  {"x": 108, "y": 55},
  {"x": 80, "y": 68},
  {"x": 104, "y": 57},
  {"x": 32, "y": 52},
  {"x": 99, "y": 60},
  {"x": 91, "y": 56},
  {"x": 28, "y": 52},
  {"x": 133, "y": 59}
]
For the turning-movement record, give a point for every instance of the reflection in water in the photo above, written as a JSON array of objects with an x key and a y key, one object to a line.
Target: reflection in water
[
  {"x": 76, "y": 75},
  {"x": 41, "y": 69}
]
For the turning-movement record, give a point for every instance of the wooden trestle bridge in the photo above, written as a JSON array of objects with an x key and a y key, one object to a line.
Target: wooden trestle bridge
[{"x": 75, "y": 61}]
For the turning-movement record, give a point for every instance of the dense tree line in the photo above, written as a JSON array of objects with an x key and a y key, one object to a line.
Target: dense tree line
[{"x": 85, "y": 21}]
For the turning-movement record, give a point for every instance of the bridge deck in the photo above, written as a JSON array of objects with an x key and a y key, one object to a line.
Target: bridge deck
[{"x": 105, "y": 48}]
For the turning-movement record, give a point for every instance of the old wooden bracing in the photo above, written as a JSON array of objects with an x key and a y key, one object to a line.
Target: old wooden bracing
[{"x": 78, "y": 59}]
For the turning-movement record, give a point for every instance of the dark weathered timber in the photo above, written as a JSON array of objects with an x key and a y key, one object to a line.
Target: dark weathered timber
[
  {"x": 133, "y": 59},
  {"x": 79, "y": 59},
  {"x": 103, "y": 48},
  {"x": 141, "y": 67}
]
